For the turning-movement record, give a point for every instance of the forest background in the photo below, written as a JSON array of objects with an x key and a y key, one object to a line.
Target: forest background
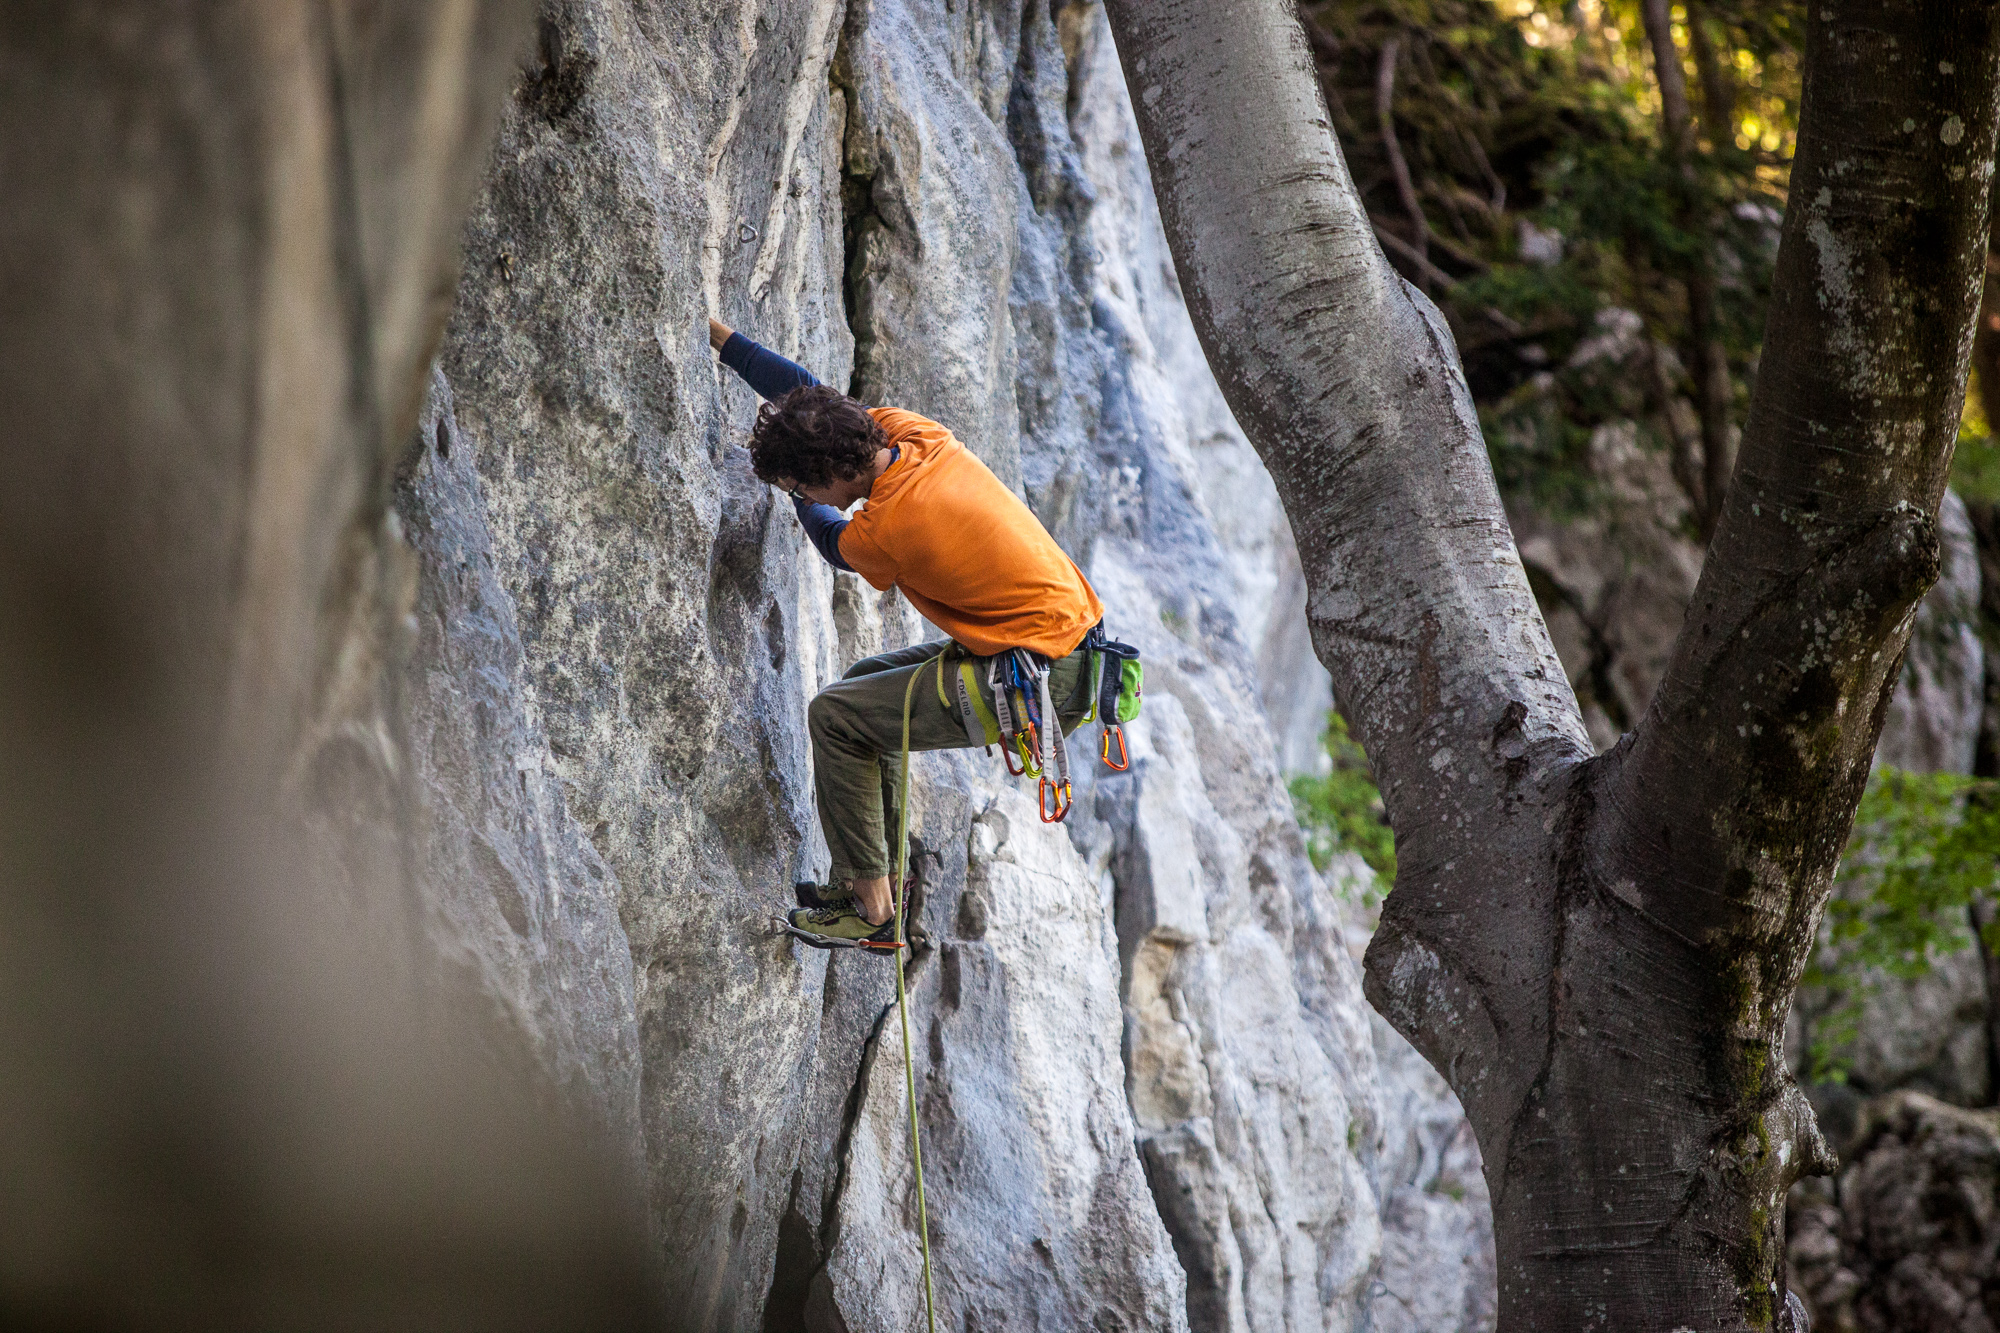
[{"x": 1591, "y": 192}]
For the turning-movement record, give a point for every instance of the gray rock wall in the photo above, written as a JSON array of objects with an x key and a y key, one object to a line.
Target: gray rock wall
[
  {"x": 1926, "y": 1033},
  {"x": 1148, "y": 1085}
]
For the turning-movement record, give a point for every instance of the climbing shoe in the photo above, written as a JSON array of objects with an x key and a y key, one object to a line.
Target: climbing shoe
[
  {"x": 839, "y": 926},
  {"x": 810, "y": 894}
]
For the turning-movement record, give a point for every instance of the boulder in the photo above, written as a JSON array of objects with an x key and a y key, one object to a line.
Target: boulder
[{"x": 1906, "y": 1239}]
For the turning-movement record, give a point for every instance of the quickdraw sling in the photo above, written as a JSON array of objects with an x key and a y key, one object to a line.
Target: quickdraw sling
[{"x": 1022, "y": 719}]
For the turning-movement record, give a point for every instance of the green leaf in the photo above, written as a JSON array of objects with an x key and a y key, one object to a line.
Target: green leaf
[
  {"x": 1343, "y": 809},
  {"x": 1924, "y": 848}
]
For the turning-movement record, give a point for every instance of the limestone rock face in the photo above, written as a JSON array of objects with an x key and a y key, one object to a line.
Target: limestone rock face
[
  {"x": 1926, "y": 1033},
  {"x": 517, "y": 896},
  {"x": 1614, "y": 572},
  {"x": 1146, "y": 1079},
  {"x": 1933, "y": 721}
]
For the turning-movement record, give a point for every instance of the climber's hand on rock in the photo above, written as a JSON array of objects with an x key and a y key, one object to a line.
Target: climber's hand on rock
[{"x": 718, "y": 333}]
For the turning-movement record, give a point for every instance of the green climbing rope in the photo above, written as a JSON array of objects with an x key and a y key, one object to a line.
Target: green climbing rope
[{"x": 900, "y": 885}]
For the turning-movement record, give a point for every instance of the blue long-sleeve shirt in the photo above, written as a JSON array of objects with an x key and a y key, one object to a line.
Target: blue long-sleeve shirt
[{"x": 772, "y": 376}]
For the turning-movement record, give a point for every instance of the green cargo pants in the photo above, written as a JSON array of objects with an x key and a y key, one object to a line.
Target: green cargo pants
[{"x": 856, "y": 725}]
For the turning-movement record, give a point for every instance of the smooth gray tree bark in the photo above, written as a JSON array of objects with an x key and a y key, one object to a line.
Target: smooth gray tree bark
[{"x": 1598, "y": 952}]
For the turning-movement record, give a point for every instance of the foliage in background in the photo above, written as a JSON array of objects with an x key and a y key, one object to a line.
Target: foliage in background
[
  {"x": 1924, "y": 848},
  {"x": 1519, "y": 172},
  {"x": 1975, "y": 466},
  {"x": 1342, "y": 810},
  {"x": 1530, "y": 135}
]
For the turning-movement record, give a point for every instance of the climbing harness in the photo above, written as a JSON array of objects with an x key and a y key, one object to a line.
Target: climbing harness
[{"x": 1022, "y": 718}]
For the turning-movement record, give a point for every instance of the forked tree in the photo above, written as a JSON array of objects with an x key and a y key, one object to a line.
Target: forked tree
[{"x": 1598, "y": 951}]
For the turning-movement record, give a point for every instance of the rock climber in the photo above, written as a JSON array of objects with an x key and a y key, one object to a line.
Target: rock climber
[{"x": 970, "y": 557}]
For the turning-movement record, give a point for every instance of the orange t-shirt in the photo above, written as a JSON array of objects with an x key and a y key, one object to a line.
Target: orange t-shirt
[{"x": 963, "y": 548}]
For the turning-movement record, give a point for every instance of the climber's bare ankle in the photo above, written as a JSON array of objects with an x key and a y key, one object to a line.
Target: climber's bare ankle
[{"x": 871, "y": 896}]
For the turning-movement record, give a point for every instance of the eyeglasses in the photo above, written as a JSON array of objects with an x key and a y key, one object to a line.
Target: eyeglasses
[{"x": 799, "y": 495}]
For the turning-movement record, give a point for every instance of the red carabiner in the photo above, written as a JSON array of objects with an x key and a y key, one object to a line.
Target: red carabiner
[
  {"x": 1064, "y": 798},
  {"x": 1007, "y": 758},
  {"x": 1104, "y": 749}
]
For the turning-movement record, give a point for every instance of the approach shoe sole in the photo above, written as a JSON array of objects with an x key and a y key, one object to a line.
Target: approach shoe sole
[{"x": 815, "y": 941}]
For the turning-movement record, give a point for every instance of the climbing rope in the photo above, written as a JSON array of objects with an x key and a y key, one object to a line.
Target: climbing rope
[{"x": 902, "y": 995}]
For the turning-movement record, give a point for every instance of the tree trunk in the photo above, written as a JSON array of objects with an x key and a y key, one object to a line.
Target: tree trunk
[
  {"x": 1675, "y": 116},
  {"x": 1718, "y": 90},
  {"x": 1598, "y": 952},
  {"x": 1707, "y": 362}
]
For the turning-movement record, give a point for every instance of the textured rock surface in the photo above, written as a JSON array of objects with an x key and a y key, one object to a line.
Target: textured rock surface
[
  {"x": 1933, "y": 722},
  {"x": 1437, "y": 1267},
  {"x": 1147, "y": 1080},
  {"x": 1907, "y": 1237},
  {"x": 518, "y": 898},
  {"x": 1614, "y": 577}
]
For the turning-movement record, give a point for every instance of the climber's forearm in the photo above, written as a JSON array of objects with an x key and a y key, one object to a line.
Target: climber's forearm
[
  {"x": 771, "y": 375},
  {"x": 823, "y": 525}
]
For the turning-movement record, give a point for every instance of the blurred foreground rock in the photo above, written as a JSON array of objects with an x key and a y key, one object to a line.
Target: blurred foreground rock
[{"x": 241, "y": 1084}]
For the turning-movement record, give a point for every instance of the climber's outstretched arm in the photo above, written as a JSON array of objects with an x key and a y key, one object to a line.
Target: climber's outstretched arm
[{"x": 771, "y": 375}]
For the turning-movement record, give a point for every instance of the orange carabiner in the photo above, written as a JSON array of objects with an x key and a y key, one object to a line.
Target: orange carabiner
[
  {"x": 1104, "y": 749},
  {"x": 1064, "y": 797}
]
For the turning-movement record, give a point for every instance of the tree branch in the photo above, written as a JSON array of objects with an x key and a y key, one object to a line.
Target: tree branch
[
  {"x": 1760, "y": 734},
  {"x": 1707, "y": 361},
  {"x": 1346, "y": 380},
  {"x": 1671, "y": 78},
  {"x": 1385, "y": 94},
  {"x": 1410, "y": 252},
  {"x": 1718, "y": 90}
]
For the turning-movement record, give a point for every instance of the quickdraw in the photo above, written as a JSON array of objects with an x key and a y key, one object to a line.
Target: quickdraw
[
  {"x": 1023, "y": 721},
  {"x": 1124, "y": 761},
  {"x": 1054, "y": 800}
]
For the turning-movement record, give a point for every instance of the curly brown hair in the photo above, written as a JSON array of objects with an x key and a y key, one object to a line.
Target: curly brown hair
[{"x": 813, "y": 435}]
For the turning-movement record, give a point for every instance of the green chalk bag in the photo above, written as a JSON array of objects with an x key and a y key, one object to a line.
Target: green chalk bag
[{"x": 1119, "y": 681}]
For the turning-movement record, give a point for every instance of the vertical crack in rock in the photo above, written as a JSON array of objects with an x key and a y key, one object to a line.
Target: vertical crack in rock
[
  {"x": 802, "y": 1298},
  {"x": 862, "y": 226}
]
